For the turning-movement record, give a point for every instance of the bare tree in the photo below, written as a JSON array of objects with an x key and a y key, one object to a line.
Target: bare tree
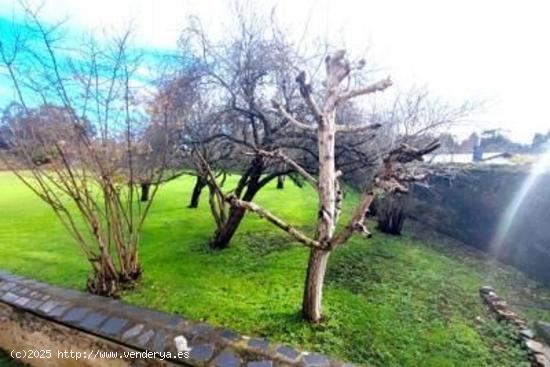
[
  {"x": 389, "y": 175},
  {"x": 242, "y": 73},
  {"x": 76, "y": 138},
  {"x": 196, "y": 119}
]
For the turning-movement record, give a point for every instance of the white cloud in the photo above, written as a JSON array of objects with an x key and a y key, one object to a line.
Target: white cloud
[{"x": 492, "y": 50}]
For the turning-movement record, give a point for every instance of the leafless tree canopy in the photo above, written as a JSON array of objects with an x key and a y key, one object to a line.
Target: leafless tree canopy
[
  {"x": 86, "y": 135},
  {"x": 330, "y": 119},
  {"x": 240, "y": 75},
  {"x": 81, "y": 136}
]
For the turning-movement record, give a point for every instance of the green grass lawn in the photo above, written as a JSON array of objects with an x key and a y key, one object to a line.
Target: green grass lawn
[
  {"x": 389, "y": 301},
  {"x": 6, "y": 361}
]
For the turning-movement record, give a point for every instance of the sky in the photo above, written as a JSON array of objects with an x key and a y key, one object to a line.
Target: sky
[{"x": 495, "y": 52}]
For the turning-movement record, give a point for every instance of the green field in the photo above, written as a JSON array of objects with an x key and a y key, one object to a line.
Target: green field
[{"x": 389, "y": 301}]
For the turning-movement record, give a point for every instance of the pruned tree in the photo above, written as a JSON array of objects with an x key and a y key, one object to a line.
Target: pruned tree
[
  {"x": 75, "y": 140},
  {"x": 390, "y": 174},
  {"x": 390, "y": 210},
  {"x": 241, "y": 73}
]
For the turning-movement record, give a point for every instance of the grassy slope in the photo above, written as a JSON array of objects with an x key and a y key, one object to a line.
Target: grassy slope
[
  {"x": 6, "y": 361},
  {"x": 389, "y": 301}
]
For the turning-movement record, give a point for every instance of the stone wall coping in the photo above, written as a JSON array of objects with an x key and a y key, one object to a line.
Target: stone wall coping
[{"x": 150, "y": 330}]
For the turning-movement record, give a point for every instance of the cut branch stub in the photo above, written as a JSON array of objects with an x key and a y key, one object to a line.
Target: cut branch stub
[{"x": 338, "y": 68}]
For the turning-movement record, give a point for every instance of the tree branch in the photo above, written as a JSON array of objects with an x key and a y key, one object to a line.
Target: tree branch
[
  {"x": 373, "y": 88},
  {"x": 349, "y": 128},
  {"x": 277, "y": 106},
  {"x": 355, "y": 224},
  {"x": 281, "y": 156},
  {"x": 248, "y": 205},
  {"x": 305, "y": 92},
  {"x": 386, "y": 179},
  {"x": 406, "y": 154}
]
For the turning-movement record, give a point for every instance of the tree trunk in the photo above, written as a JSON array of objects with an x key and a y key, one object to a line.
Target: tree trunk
[
  {"x": 391, "y": 214},
  {"x": 318, "y": 258},
  {"x": 145, "y": 191},
  {"x": 313, "y": 290},
  {"x": 327, "y": 181},
  {"x": 280, "y": 182},
  {"x": 200, "y": 183},
  {"x": 109, "y": 280},
  {"x": 223, "y": 236}
]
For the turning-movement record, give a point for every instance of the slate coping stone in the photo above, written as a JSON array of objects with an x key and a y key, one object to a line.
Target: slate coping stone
[
  {"x": 92, "y": 321},
  {"x": 69, "y": 293},
  {"x": 227, "y": 358},
  {"x": 164, "y": 318},
  {"x": 174, "y": 321},
  {"x": 144, "y": 338},
  {"x": 159, "y": 341},
  {"x": 229, "y": 335},
  {"x": 23, "y": 291},
  {"x": 202, "y": 353},
  {"x": 75, "y": 314},
  {"x": 7, "y": 286},
  {"x": 288, "y": 353},
  {"x": 58, "y": 311},
  {"x": 316, "y": 360},
  {"x": 202, "y": 328},
  {"x": 41, "y": 285},
  {"x": 260, "y": 344},
  {"x": 9, "y": 297},
  {"x": 113, "y": 326},
  {"x": 260, "y": 364},
  {"x": 17, "y": 288},
  {"x": 33, "y": 304},
  {"x": 48, "y": 306},
  {"x": 133, "y": 332},
  {"x": 21, "y": 301},
  {"x": 200, "y": 331}
]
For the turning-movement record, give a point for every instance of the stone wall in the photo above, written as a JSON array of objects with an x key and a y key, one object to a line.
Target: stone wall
[
  {"x": 37, "y": 341},
  {"x": 38, "y": 317},
  {"x": 472, "y": 207}
]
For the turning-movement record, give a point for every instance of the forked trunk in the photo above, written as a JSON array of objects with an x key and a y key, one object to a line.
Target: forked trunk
[
  {"x": 223, "y": 235},
  {"x": 313, "y": 290},
  {"x": 200, "y": 183},
  {"x": 145, "y": 187}
]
